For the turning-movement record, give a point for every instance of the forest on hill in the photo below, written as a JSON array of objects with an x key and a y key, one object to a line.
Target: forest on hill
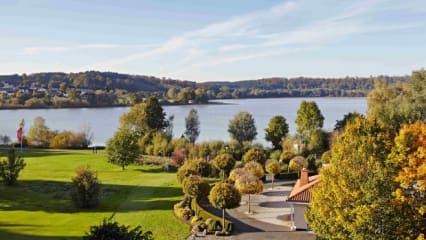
[{"x": 98, "y": 89}]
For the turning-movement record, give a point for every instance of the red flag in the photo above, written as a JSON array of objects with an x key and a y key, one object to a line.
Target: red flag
[{"x": 19, "y": 134}]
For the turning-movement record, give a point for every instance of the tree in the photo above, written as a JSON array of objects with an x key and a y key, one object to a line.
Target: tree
[
  {"x": 224, "y": 162},
  {"x": 123, "y": 149},
  {"x": 347, "y": 118},
  {"x": 401, "y": 103},
  {"x": 39, "y": 134},
  {"x": 86, "y": 188},
  {"x": 255, "y": 169},
  {"x": 196, "y": 187},
  {"x": 353, "y": 199},
  {"x": 273, "y": 167},
  {"x": 309, "y": 118},
  {"x": 155, "y": 115},
  {"x": 298, "y": 163},
  {"x": 111, "y": 230},
  {"x": 86, "y": 134},
  {"x": 224, "y": 196},
  {"x": 192, "y": 126},
  {"x": 235, "y": 174},
  {"x": 242, "y": 127},
  {"x": 10, "y": 168},
  {"x": 277, "y": 130},
  {"x": 408, "y": 158},
  {"x": 145, "y": 117},
  {"x": 249, "y": 184},
  {"x": 255, "y": 154}
]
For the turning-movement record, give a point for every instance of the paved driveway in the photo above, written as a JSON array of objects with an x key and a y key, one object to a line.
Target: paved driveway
[{"x": 270, "y": 218}]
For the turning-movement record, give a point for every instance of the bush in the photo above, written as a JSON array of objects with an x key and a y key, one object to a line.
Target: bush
[
  {"x": 111, "y": 230},
  {"x": 86, "y": 188},
  {"x": 10, "y": 168},
  {"x": 256, "y": 155},
  {"x": 213, "y": 225}
]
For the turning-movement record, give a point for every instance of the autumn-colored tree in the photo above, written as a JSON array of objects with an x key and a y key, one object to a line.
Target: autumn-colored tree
[
  {"x": 249, "y": 184},
  {"x": 408, "y": 158},
  {"x": 255, "y": 169},
  {"x": 224, "y": 196},
  {"x": 298, "y": 163},
  {"x": 352, "y": 201},
  {"x": 277, "y": 130},
  {"x": 196, "y": 187},
  {"x": 39, "y": 134},
  {"x": 255, "y": 154},
  {"x": 224, "y": 162},
  {"x": 273, "y": 167},
  {"x": 235, "y": 174}
]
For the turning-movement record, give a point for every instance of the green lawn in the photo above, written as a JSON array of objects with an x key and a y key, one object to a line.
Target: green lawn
[{"x": 39, "y": 207}]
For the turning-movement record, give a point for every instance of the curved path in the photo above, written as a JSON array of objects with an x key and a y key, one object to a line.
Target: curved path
[{"x": 270, "y": 220}]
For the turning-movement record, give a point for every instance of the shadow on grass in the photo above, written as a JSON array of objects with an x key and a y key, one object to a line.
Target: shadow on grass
[
  {"x": 152, "y": 169},
  {"x": 35, "y": 152},
  {"x": 52, "y": 196},
  {"x": 17, "y": 236}
]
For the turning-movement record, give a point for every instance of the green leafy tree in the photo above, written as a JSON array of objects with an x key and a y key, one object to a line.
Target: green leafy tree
[
  {"x": 10, "y": 168},
  {"x": 242, "y": 127},
  {"x": 353, "y": 199},
  {"x": 224, "y": 196},
  {"x": 123, "y": 149},
  {"x": 196, "y": 187},
  {"x": 192, "y": 126},
  {"x": 224, "y": 162},
  {"x": 86, "y": 188},
  {"x": 249, "y": 184},
  {"x": 112, "y": 230},
  {"x": 155, "y": 115},
  {"x": 273, "y": 167},
  {"x": 255, "y": 154},
  {"x": 395, "y": 105},
  {"x": 276, "y": 131},
  {"x": 309, "y": 119}
]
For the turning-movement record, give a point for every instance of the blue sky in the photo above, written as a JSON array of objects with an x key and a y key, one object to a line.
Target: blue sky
[{"x": 214, "y": 40}]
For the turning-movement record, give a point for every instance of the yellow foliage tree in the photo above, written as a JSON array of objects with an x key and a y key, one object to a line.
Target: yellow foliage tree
[{"x": 249, "y": 184}]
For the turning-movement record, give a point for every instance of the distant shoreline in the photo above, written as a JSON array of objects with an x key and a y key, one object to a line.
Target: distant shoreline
[{"x": 216, "y": 102}]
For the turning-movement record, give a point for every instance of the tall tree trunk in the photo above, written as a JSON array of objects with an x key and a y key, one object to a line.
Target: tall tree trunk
[
  {"x": 249, "y": 211},
  {"x": 223, "y": 219}
]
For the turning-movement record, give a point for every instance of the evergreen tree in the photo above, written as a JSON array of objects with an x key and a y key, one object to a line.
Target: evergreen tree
[{"x": 192, "y": 126}]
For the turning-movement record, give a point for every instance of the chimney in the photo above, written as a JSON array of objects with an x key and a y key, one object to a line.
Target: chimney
[{"x": 304, "y": 177}]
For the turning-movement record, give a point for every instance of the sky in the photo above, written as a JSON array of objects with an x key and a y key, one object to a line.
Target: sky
[{"x": 218, "y": 40}]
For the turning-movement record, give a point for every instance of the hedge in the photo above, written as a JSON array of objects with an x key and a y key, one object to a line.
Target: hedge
[{"x": 204, "y": 214}]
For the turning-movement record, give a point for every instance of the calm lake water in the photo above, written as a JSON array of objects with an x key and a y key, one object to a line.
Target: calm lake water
[{"x": 214, "y": 118}]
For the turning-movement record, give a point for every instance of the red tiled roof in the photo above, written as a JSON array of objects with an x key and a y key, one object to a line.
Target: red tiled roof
[{"x": 303, "y": 193}]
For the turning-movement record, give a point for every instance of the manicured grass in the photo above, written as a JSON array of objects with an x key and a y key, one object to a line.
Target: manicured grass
[{"x": 39, "y": 207}]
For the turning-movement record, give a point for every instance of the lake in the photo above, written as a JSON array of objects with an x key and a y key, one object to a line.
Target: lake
[{"x": 214, "y": 118}]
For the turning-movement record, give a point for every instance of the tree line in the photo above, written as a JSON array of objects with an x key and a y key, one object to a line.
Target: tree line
[{"x": 97, "y": 89}]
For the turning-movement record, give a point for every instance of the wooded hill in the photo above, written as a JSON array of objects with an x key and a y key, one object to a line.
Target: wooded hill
[{"x": 93, "y": 88}]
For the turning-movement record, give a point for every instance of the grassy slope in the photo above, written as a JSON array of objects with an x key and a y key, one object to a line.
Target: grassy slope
[{"x": 39, "y": 207}]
